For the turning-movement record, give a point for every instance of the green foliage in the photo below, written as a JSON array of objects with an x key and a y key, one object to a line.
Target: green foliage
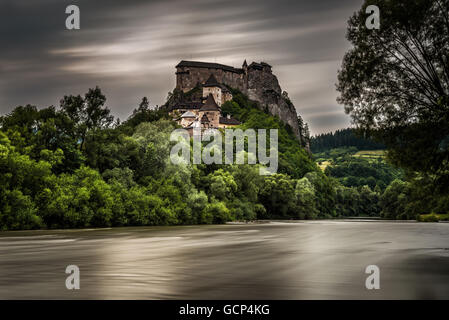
[
  {"x": 153, "y": 141},
  {"x": 361, "y": 201},
  {"x": 222, "y": 185},
  {"x": 428, "y": 218},
  {"x": 144, "y": 113},
  {"x": 218, "y": 212},
  {"x": 244, "y": 210},
  {"x": 357, "y": 172},
  {"x": 306, "y": 199},
  {"x": 18, "y": 211},
  {"x": 31, "y": 131},
  {"x": 277, "y": 195},
  {"x": 72, "y": 168},
  {"x": 394, "y": 83},
  {"x": 325, "y": 193},
  {"x": 394, "y": 200},
  {"x": 293, "y": 158},
  {"x": 342, "y": 138},
  {"x": 197, "y": 203}
]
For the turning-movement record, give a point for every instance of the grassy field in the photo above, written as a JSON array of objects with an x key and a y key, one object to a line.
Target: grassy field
[
  {"x": 325, "y": 160},
  {"x": 370, "y": 154}
]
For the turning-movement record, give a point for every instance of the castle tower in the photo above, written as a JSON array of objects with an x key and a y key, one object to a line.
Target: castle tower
[
  {"x": 211, "y": 111},
  {"x": 211, "y": 86}
]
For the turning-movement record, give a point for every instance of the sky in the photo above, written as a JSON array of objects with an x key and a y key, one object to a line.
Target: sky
[{"x": 130, "y": 49}]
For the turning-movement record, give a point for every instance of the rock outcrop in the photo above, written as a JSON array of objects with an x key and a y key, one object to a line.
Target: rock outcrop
[{"x": 263, "y": 87}]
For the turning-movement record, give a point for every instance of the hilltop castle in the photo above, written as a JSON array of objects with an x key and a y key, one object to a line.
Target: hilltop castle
[
  {"x": 191, "y": 73},
  {"x": 204, "y": 88},
  {"x": 205, "y": 112}
]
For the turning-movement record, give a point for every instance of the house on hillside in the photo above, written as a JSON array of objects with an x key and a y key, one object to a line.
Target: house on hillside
[{"x": 205, "y": 114}]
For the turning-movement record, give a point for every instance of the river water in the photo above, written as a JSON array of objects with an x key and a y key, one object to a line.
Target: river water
[{"x": 275, "y": 260}]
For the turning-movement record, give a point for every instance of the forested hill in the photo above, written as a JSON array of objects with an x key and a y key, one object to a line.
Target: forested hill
[
  {"x": 342, "y": 138},
  {"x": 75, "y": 167}
]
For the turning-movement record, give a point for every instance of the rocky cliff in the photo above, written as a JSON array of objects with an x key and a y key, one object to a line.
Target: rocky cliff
[{"x": 263, "y": 87}]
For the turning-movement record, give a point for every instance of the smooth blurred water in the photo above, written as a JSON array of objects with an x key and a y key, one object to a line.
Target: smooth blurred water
[{"x": 297, "y": 260}]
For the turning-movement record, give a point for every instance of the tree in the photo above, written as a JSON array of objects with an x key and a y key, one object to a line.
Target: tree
[
  {"x": 277, "y": 194},
  {"x": 394, "y": 82},
  {"x": 347, "y": 201},
  {"x": 21, "y": 179},
  {"x": 368, "y": 202},
  {"x": 88, "y": 114},
  {"x": 154, "y": 142},
  {"x": 222, "y": 185},
  {"x": 248, "y": 181},
  {"x": 305, "y": 195},
  {"x": 32, "y": 131},
  {"x": 394, "y": 200},
  {"x": 144, "y": 106},
  {"x": 219, "y": 212},
  {"x": 197, "y": 203},
  {"x": 342, "y": 138},
  {"x": 325, "y": 193},
  {"x": 72, "y": 168},
  {"x": 97, "y": 116}
]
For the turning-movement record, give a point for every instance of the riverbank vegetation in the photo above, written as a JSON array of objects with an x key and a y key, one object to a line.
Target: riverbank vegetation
[
  {"x": 75, "y": 166},
  {"x": 369, "y": 185},
  {"x": 394, "y": 84}
]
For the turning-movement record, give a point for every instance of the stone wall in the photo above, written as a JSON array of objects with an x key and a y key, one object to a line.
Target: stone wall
[{"x": 188, "y": 77}]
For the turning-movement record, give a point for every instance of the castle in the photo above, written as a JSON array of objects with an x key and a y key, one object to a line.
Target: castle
[
  {"x": 205, "y": 113},
  {"x": 203, "y": 109},
  {"x": 191, "y": 73}
]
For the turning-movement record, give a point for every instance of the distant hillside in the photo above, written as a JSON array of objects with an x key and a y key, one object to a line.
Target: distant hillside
[{"x": 342, "y": 138}]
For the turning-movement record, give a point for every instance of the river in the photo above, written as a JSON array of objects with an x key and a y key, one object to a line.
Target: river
[{"x": 274, "y": 260}]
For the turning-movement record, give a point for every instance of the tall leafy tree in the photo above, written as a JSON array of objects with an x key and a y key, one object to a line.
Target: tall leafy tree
[
  {"x": 394, "y": 82},
  {"x": 88, "y": 114}
]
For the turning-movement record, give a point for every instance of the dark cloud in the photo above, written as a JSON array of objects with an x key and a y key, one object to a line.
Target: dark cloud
[{"x": 130, "y": 48}]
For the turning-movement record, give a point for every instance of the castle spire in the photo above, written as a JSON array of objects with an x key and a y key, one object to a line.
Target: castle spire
[
  {"x": 211, "y": 81},
  {"x": 210, "y": 104}
]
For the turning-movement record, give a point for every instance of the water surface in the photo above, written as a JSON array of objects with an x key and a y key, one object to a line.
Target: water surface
[{"x": 299, "y": 260}]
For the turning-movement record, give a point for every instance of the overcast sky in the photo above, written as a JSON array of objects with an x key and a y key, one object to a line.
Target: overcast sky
[{"x": 130, "y": 48}]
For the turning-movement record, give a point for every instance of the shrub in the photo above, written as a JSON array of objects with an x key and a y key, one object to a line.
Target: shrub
[
  {"x": 219, "y": 212},
  {"x": 429, "y": 218},
  {"x": 19, "y": 212}
]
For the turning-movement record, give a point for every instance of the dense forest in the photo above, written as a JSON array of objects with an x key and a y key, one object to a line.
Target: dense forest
[
  {"x": 75, "y": 166},
  {"x": 368, "y": 185},
  {"x": 342, "y": 138}
]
